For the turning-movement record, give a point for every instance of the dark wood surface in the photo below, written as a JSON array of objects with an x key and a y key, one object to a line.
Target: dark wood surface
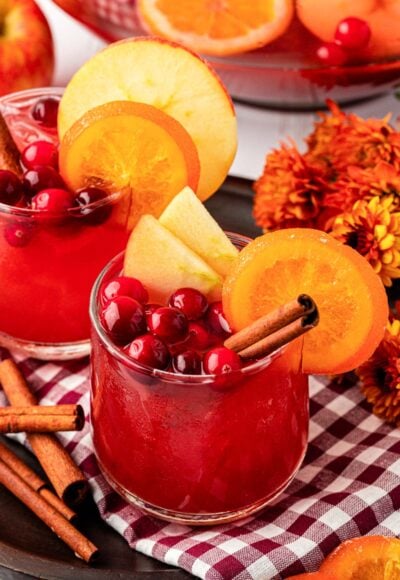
[{"x": 28, "y": 549}]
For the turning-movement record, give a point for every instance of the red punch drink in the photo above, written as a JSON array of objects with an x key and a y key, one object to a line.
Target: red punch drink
[
  {"x": 195, "y": 448},
  {"x": 49, "y": 260}
]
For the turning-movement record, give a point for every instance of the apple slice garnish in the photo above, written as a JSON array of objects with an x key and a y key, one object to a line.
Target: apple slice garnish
[
  {"x": 187, "y": 218},
  {"x": 163, "y": 263},
  {"x": 173, "y": 79}
]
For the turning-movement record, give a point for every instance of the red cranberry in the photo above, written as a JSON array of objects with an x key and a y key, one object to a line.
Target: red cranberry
[
  {"x": 187, "y": 362},
  {"x": 170, "y": 324},
  {"x": 149, "y": 309},
  {"x": 39, "y": 154},
  {"x": 42, "y": 178},
  {"x": 126, "y": 286},
  {"x": 149, "y": 350},
  {"x": 198, "y": 336},
  {"x": 45, "y": 111},
  {"x": 221, "y": 360},
  {"x": 332, "y": 54},
  {"x": 123, "y": 318},
  {"x": 216, "y": 320},
  {"x": 19, "y": 233},
  {"x": 353, "y": 33},
  {"x": 192, "y": 302},
  {"x": 10, "y": 187},
  {"x": 89, "y": 201},
  {"x": 53, "y": 201}
]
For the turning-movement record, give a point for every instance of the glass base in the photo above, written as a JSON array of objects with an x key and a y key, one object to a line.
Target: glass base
[
  {"x": 195, "y": 519},
  {"x": 45, "y": 350}
]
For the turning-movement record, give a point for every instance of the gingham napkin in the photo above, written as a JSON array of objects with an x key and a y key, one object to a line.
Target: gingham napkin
[
  {"x": 118, "y": 12},
  {"x": 348, "y": 486}
]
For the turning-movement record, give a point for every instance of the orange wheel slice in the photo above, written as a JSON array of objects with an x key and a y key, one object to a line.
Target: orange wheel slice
[
  {"x": 365, "y": 558},
  {"x": 217, "y": 28},
  {"x": 351, "y": 299},
  {"x": 130, "y": 146}
]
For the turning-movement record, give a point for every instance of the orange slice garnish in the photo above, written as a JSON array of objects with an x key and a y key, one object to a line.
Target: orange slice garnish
[
  {"x": 365, "y": 558},
  {"x": 351, "y": 299},
  {"x": 217, "y": 27},
  {"x": 134, "y": 147}
]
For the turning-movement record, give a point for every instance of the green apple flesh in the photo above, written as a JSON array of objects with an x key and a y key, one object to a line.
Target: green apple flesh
[
  {"x": 163, "y": 263},
  {"x": 188, "y": 219}
]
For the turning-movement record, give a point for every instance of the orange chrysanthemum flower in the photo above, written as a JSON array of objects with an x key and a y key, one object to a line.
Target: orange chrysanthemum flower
[
  {"x": 359, "y": 183},
  {"x": 350, "y": 161},
  {"x": 373, "y": 229},
  {"x": 319, "y": 142},
  {"x": 340, "y": 140},
  {"x": 289, "y": 192},
  {"x": 380, "y": 376}
]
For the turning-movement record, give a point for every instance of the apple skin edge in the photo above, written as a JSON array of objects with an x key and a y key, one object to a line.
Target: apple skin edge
[{"x": 26, "y": 47}]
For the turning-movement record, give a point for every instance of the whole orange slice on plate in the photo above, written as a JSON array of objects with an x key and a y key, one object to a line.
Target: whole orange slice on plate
[
  {"x": 217, "y": 27},
  {"x": 362, "y": 558},
  {"x": 365, "y": 558},
  {"x": 134, "y": 147},
  {"x": 278, "y": 266}
]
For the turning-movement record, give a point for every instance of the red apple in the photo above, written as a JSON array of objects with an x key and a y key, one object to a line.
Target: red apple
[{"x": 26, "y": 46}]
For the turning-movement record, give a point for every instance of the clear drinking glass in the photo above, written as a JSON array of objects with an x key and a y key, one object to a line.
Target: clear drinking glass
[
  {"x": 48, "y": 265},
  {"x": 201, "y": 449}
]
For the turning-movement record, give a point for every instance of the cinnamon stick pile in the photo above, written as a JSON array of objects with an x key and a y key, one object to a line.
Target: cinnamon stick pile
[{"x": 40, "y": 422}]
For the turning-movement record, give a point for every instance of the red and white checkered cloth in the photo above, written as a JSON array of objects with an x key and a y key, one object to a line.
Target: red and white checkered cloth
[
  {"x": 348, "y": 486},
  {"x": 121, "y": 13}
]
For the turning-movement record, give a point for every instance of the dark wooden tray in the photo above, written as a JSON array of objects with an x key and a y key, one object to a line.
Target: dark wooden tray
[{"x": 28, "y": 549}]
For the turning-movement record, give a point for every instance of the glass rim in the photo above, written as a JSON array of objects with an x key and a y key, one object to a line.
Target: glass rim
[
  {"x": 167, "y": 376},
  {"x": 18, "y": 97},
  {"x": 56, "y": 91}
]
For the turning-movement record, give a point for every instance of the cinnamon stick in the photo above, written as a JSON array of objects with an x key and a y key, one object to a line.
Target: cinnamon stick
[
  {"x": 9, "y": 153},
  {"x": 34, "y": 481},
  {"x": 283, "y": 336},
  {"x": 275, "y": 329},
  {"x": 271, "y": 322},
  {"x": 67, "y": 479},
  {"x": 82, "y": 547},
  {"x": 41, "y": 419}
]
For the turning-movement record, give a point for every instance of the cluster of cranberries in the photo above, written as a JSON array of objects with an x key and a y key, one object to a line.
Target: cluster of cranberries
[
  {"x": 41, "y": 187},
  {"x": 352, "y": 36},
  {"x": 184, "y": 337}
]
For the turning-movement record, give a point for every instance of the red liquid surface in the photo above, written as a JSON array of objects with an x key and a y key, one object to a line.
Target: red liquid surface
[
  {"x": 191, "y": 448},
  {"x": 45, "y": 285}
]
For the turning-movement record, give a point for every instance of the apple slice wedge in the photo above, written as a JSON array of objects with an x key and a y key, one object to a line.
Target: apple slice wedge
[
  {"x": 171, "y": 78},
  {"x": 163, "y": 263},
  {"x": 187, "y": 218}
]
